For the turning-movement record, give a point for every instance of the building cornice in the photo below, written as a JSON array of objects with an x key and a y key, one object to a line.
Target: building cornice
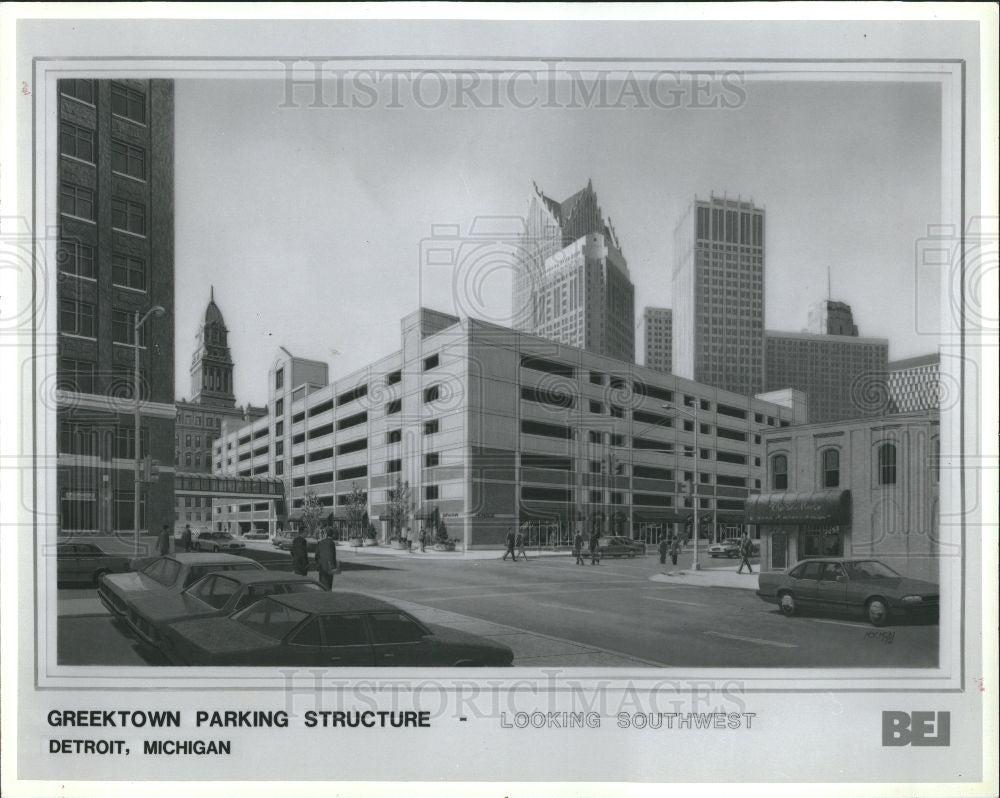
[{"x": 114, "y": 404}]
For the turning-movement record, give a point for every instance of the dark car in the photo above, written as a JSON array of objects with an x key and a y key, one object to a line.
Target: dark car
[
  {"x": 326, "y": 629},
  {"x": 285, "y": 542},
  {"x": 217, "y": 594},
  {"x": 620, "y": 546},
  {"x": 86, "y": 562},
  {"x": 838, "y": 584},
  {"x": 217, "y": 541},
  {"x": 170, "y": 574}
]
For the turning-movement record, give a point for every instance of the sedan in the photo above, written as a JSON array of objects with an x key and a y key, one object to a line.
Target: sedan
[
  {"x": 730, "y": 547},
  {"x": 217, "y": 594},
  {"x": 327, "y": 629},
  {"x": 620, "y": 546},
  {"x": 285, "y": 543},
  {"x": 86, "y": 562},
  {"x": 856, "y": 586},
  {"x": 170, "y": 574},
  {"x": 217, "y": 541}
]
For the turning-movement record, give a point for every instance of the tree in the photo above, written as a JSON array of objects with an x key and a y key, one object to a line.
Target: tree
[
  {"x": 398, "y": 502},
  {"x": 357, "y": 509},
  {"x": 312, "y": 514}
]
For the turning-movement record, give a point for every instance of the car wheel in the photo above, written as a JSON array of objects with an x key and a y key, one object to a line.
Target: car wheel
[
  {"x": 98, "y": 575},
  {"x": 878, "y": 611},
  {"x": 786, "y": 601}
]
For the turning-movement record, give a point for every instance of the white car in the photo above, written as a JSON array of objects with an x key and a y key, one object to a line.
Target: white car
[{"x": 217, "y": 541}]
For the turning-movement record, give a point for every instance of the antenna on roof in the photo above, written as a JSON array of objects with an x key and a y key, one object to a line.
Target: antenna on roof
[
  {"x": 211, "y": 294},
  {"x": 829, "y": 293},
  {"x": 285, "y": 351}
]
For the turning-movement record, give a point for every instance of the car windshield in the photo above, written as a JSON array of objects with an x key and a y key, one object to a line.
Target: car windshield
[
  {"x": 869, "y": 569},
  {"x": 163, "y": 570},
  {"x": 270, "y": 618}
]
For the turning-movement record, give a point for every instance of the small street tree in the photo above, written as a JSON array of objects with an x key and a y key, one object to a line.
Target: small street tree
[
  {"x": 357, "y": 510},
  {"x": 312, "y": 514},
  {"x": 398, "y": 502}
]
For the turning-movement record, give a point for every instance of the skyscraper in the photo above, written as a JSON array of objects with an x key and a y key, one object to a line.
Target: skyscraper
[
  {"x": 827, "y": 317},
  {"x": 718, "y": 290},
  {"x": 571, "y": 282},
  {"x": 657, "y": 328},
  {"x": 116, "y": 264}
]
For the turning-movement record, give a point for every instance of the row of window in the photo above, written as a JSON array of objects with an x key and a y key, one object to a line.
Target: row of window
[
  {"x": 886, "y": 473},
  {"x": 77, "y": 142},
  {"x": 127, "y": 216},
  {"x": 81, "y": 439},
  {"x": 81, "y": 376},
  {"x": 79, "y": 260},
  {"x": 80, "y": 318},
  {"x": 126, "y": 102}
]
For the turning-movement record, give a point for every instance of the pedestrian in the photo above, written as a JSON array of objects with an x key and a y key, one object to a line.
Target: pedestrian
[
  {"x": 406, "y": 539},
  {"x": 423, "y": 539},
  {"x": 186, "y": 537},
  {"x": 163, "y": 541},
  {"x": 746, "y": 550},
  {"x": 326, "y": 559},
  {"x": 595, "y": 549},
  {"x": 675, "y": 549},
  {"x": 300, "y": 554},
  {"x": 578, "y": 547},
  {"x": 663, "y": 550},
  {"x": 519, "y": 542},
  {"x": 510, "y": 545}
]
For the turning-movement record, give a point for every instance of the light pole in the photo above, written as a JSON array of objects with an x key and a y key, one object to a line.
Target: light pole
[
  {"x": 156, "y": 310},
  {"x": 693, "y": 415}
]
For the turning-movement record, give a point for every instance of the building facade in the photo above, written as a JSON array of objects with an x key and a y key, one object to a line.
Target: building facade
[
  {"x": 914, "y": 384},
  {"x": 658, "y": 334},
  {"x": 827, "y": 317},
  {"x": 842, "y": 376},
  {"x": 490, "y": 428},
  {"x": 571, "y": 281},
  {"x": 861, "y": 488},
  {"x": 116, "y": 264},
  {"x": 718, "y": 295}
]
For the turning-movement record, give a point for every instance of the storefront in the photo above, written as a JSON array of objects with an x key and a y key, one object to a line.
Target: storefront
[{"x": 797, "y": 526}]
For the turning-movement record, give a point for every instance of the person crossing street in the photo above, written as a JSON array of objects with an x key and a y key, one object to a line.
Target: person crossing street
[
  {"x": 746, "y": 551},
  {"x": 519, "y": 543},
  {"x": 578, "y": 547}
]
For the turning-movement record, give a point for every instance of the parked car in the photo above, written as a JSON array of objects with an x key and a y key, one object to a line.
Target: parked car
[
  {"x": 170, "y": 574},
  {"x": 285, "y": 543},
  {"x": 216, "y": 594},
  {"x": 217, "y": 541},
  {"x": 86, "y": 562},
  {"x": 257, "y": 534},
  {"x": 326, "y": 629},
  {"x": 620, "y": 546},
  {"x": 861, "y": 586},
  {"x": 730, "y": 547}
]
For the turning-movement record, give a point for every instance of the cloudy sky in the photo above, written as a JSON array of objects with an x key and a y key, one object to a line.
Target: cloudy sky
[{"x": 311, "y": 222}]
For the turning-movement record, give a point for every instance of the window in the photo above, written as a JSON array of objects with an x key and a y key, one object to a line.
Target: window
[
  {"x": 344, "y": 630},
  {"x": 128, "y": 271},
  {"x": 76, "y": 201},
  {"x": 393, "y": 407},
  {"x": 279, "y": 428},
  {"x": 78, "y": 89},
  {"x": 347, "y": 448},
  {"x": 76, "y": 375},
  {"x": 394, "y": 628},
  {"x": 279, "y": 407},
  {"x": 594, "y": 437},
  {"x": 129, "y": 103},
  {"x": 431, "y": 427},
  {"x": 596, "y": 407},
  {"x": 76, "y": 318},
  {"x": 393, "y": 377},
  {"x": 432, "y": 394},
  {"x": 394, "y": 436},
  {"x": 547, "y": 397},
  {"x": 128, "y": 159},
  {"x": 430, "y": 491},
  {"x": 123, "y": 329},
  {"x": 125, "y": 443},
  {"x": 76, "y": 141},
  {"x": 431, "y": 362},
  {"x": 432, "y": 459},
  {"x": 616, "y": 411},
  {"x": 77, "y": 439},
  {"x": 76, "y": 259},
  {"x": 548, "y": 430},
  {"x": 779, "y": 472},
  {"x": 279, "y": 379},
  {"x": 351, "y": 421},
  {"x": 936, "y": 460},
  {"x": 831, "y": 468},
  {"x": 128, "y": 216},
  {"x": 887, "y": 464},
  {"x": 393, "y": 466}
]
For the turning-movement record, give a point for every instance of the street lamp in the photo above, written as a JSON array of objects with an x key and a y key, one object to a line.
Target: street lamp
[
  {"x": 693, "y": 415},
  {"x": 156, "y": 310}
]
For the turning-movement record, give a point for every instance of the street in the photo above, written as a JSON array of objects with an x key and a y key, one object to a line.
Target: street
[{"x": 552, "y": 612}]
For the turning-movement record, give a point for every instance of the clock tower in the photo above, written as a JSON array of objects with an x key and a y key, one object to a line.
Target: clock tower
[{"x": 212, "y": 365}]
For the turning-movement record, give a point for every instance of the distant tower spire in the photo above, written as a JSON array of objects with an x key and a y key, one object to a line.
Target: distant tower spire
[
  {"x": 829, "y": 292},
  {"x": 211, "y": 294}
]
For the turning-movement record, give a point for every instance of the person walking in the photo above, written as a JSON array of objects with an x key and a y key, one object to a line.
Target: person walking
[
  {"x": 186, "y": 537},
  {"x": 675, "y": 549},
  {"x": 326, "y": 559},
  {"x": 578, "y": 547},
  {"x": 595, "y": 549},
  {"x": 163, "y": 541},
  {"x": 746, "y": 551},
  {"x": 300, "y": 554},
  {"x": 510, "y": 545},
  {"x": 423, "y": 539},
  {"x": 663, "y": 550},
  {"x": 519, "y": 542}
]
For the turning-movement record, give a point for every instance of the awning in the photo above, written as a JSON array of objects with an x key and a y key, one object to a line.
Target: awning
[{"x": 828, "y": 507}]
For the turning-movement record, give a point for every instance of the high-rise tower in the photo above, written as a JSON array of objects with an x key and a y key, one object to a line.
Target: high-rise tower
[{"x": 212, "y": 365}]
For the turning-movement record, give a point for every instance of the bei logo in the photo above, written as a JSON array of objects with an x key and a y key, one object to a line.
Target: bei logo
[{"x": 916, "y": 728}]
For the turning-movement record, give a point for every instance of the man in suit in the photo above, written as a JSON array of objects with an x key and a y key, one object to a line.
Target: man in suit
[
  {"x": 163, "y": 542},
  {"x": 300, "y": 554},
  {"x": 326, "y": 559}
]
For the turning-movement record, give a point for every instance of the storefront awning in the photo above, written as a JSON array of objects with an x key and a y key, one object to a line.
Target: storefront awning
[{"x": 827, "y": 507}]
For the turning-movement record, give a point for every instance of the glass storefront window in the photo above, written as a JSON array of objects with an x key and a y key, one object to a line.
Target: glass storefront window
[{"x": 818, "y": 541}]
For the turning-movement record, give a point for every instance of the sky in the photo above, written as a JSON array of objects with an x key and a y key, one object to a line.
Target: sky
[{"x": 314, "y": 224}]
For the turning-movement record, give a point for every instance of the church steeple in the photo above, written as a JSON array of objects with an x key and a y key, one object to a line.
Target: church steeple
[{"x": 212, "y": 365}]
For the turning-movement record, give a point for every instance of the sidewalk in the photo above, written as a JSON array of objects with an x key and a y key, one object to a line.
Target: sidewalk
[
  {"x": 708, "y": 577},
  {"x": 346, "y": 552}
]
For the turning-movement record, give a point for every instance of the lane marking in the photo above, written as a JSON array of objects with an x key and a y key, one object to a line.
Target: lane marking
[
  {"x": 508, "y": 594},
  {"x": 840, "y": 623},
  {"x": 564, "y": 607},
  {"x": 674, "y": 601},
  {"x": 752, "y": 640}
]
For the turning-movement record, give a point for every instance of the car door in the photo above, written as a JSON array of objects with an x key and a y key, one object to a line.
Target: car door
[
  {"x": 831, "y": 588},
  {"x": 397, "y": 640},
  {"x": 805, "y": 583},
  {"x": 66, "y": 567},
  {"x": 345, "y": 641}
]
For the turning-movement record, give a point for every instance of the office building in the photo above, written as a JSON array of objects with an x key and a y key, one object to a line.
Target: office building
[
  {"x": 116, "y": 264},
  {"x": 914, "y": 384},
  {"x": 859, "y": 488},
  {"x": 842, "y": 376},
  {"x": 718, "y": 295},
  {"x": 491, "y": 428},
  {"x": 827, "y": 317},
  {"x": 571, "y": 281},
  {"x": 657, "y": 335}
]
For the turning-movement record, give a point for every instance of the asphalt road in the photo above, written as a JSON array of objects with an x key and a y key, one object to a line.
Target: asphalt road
[{"x": 612, "y": 607}]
